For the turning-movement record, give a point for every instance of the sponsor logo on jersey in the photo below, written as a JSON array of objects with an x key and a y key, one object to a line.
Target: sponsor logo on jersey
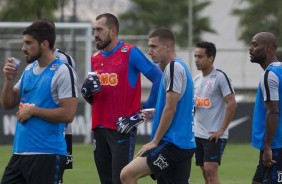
[
  {"x": 202, "y": 102},
  {"x": 54, "y": 66},
  {"x": 213, "y": 76},
  {"x": 25, "y": 91},
  {"x": 22, "y": 105},
  {"x": 160, "y": 162},
  {"x": 124, "y": 49},
  {"x": 108, "y": 79}
]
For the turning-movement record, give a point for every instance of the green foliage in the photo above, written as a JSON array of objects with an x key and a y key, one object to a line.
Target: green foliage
[
  {"x": 27, "y": 10},
  {"x": 145, "y": 15},
  {"x": 260, "y": 15}
]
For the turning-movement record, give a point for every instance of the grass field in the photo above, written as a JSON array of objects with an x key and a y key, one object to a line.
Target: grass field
[{"x": 238, "y": 164}]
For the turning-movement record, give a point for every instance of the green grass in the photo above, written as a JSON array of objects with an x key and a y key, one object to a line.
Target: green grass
[{"x": 238, "y": 165}]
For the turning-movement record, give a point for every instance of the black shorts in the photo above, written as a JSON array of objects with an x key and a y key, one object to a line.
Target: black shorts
[
  {"x": 69, "y": 160},
  {"x": 68, "y": 138},
  {"x": 270, "y": 175},
  {"x": 34, "y": 169},
  {"x": 169, "y": 164},
  {"x": 112, "y": 151},
  {"x": 209, "y": 151}
]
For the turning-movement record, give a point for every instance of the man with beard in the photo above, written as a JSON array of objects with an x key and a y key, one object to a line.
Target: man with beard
[
  {"x": 66, "y": 58},
  {"x": 267, "y": 119},
  {"x": 118, "y": 65},
  {"x": 47, "y": 98}
]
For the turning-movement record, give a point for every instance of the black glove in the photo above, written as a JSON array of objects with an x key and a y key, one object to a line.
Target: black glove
[
  {"x": 126, "y": 124},
  {"x": 90, "y": 86}
]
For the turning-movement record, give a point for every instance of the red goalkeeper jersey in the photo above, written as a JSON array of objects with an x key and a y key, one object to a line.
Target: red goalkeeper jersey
[{"x": 117, "y": 97}]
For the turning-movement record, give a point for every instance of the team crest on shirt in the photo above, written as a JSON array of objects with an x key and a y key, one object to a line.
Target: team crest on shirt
[
  {"x": 160, "y": 162},
  {"x": 124, "y": 49},
  {"x": 54, "y": 66},
  {"x": 209, "y": 85}
]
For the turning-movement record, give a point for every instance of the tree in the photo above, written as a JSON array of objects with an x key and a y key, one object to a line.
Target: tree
[
  {"x": 27, "y": 10},
  {"x": 259, "y": 15},
  {"x": 145, "y": 15}
]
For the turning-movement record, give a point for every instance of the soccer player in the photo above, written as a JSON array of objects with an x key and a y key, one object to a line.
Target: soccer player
[
  {"x": 118, "y": 66},
  {"x": 167, "y": 157},
  {"x": 66, "y": 58},
  {"x": 215, "y": 106},
  {"x": 46, "y": 95},
  {"x": 267, "y": 119}
]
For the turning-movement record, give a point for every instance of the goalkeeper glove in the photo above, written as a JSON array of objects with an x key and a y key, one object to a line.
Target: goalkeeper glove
[{"x": 126, "y": 124}]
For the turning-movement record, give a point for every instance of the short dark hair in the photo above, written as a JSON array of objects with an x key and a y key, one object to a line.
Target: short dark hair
[
  {"x": 164, "y": 34},
  {"x": 41, "y": 30},
  {"x": 209, "y": 46},
  {"x": 51, "y": 22},
  {"x": 112, "y": 20}
]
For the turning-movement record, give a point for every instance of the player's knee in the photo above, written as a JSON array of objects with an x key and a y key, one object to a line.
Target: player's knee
[
  {"x": 210, "y": 170},
  {"x": 125, "y": 176}
]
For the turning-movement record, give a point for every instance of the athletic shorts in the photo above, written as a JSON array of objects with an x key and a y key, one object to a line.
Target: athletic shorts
[
  {"x": 209, "y": 151},
  {"x": 169, "y": 164},
  {"x": 69, "y": 160},
  {"x": 34, "y": 169},
  {"x": 112, "y": 151},
  {"x": 68, "y": 138},
  {"x": 270, "y": 175}
]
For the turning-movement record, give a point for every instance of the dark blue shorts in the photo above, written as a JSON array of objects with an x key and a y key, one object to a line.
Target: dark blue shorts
[
  {"x": 209, "y": 151},
  {"x": 34, "y": 169},
  {"x": 169, "y": 164},
  {"x": 270, "y": 175}
]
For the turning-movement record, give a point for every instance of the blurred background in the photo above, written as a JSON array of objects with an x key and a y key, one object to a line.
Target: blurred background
[{"x": 229, "y": 24}]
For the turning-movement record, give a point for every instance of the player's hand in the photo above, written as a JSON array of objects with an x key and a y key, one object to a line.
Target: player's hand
[
  {"x": 267, "y": 157},
  {"x": 24, "y": 113},
  {"x": 215, "y": 135},
  {"x": 10, "y": 70},
  {"x": 126, "y": 124},
  {"x": 146, "y": 147},
  {"x": 148, "y": 114}
]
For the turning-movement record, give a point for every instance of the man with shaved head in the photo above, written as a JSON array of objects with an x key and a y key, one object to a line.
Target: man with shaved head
[{"x": 267, "y": 119}]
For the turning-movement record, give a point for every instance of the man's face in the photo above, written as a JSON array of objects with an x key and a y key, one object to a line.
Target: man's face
[
  {"x": 257, "y": 50},
  {"x": 31, "y": 48},
  {"x": 202, "y": 61},
  {"x": 157, "y": 50},
  {"x": 102, "y": 33}
]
